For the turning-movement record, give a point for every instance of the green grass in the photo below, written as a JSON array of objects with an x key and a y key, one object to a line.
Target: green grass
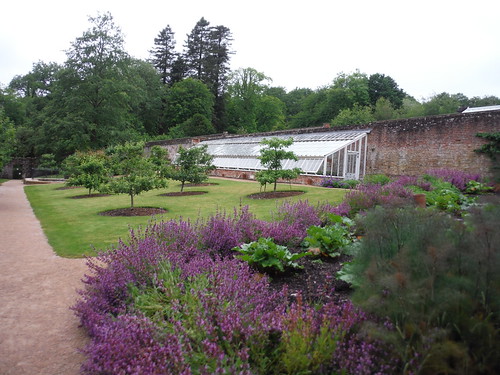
[
  {"x": 2, "y": 180},
  {"x": 74, "y": 228}
]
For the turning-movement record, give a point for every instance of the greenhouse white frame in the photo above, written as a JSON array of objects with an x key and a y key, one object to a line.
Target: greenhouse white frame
[{"x": 339, "y": 154}]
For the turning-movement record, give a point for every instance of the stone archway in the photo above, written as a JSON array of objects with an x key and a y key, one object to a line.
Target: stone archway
[{"x": 19, "y": 168}]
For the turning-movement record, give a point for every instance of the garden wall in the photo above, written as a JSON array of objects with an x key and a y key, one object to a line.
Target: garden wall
[
  {"x": 399, "y": 147},
  {"x": 250, "y": 175},
  {"x": 412, "y": 146}
]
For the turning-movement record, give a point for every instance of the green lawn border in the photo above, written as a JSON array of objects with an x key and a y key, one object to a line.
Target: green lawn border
[{"x": 74, "y": 228}]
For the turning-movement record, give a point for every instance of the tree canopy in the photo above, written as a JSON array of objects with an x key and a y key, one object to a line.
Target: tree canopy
[
  {"x": 135, "y": 173},
  {"x": 100, "y": 96}
]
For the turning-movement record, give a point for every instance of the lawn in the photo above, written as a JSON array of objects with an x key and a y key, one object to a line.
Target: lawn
[{"x": 74, "y": 228}]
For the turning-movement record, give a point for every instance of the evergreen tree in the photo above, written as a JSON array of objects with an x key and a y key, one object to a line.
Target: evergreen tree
[
  {"x": 198, "y": 49},
  {"x": 179, "y": 70},
  {"x": 380, "y": 85},
  {"x": 218, "y": 70},
  {"x": 163, "y": 54},
  {"x": 207, "y": 59}
]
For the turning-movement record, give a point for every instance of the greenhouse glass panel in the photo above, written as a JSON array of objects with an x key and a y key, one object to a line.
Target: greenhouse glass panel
[{"x": 312, "y": 150}]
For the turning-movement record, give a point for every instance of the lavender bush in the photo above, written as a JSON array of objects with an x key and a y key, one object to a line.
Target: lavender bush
[
  {"x": 458, "y": 178},
  {"x": 172, "y": 300},
  {"x": 330, "y": 182},
  {"x": 369, "y": 196}
]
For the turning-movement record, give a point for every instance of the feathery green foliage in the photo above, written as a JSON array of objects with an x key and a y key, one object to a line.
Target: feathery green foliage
[{"x": 437, "y": 280}]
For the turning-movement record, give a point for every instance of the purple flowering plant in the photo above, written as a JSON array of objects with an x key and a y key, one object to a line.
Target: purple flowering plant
[{"x": 173, "y": 299}]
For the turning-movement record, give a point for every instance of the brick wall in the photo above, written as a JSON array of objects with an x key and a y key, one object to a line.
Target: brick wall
[
  {"x": 412, "y": 146},
  {"x": 250, "y": 175}
]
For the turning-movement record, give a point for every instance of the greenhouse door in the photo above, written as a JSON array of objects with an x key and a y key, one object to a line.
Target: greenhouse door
[{"x": 352, "y": 167}]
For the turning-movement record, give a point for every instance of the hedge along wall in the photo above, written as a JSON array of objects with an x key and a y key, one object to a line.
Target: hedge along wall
[
  {"x": 399, "y": 147},
  {"x": 413, "y": 146}
]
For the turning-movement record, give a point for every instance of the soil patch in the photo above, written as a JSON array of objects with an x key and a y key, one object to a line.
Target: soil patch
[
  {"x": 134, "y": 211},
  {"x": 203, "y": 184},
  {"x": 183, "y": 193},
  {"x": 275, "y": 194},
  {"x": 316, "y": 281},
  {"x": 95, "y": 195}
]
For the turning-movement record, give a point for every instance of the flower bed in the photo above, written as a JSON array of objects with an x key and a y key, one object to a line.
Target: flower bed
[{"x": 175, "y": 299}]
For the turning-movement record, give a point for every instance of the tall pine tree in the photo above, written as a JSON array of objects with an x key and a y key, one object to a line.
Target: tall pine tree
[
  {"x": 164, "y": 55},
  {"x": 197, "y": 50},
  {"x": 207, "y": 58}
]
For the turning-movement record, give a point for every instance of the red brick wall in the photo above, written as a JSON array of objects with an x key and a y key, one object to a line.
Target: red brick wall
[
  {"x": 250, "y": 175},
  {"x": 412, "y": 146}
]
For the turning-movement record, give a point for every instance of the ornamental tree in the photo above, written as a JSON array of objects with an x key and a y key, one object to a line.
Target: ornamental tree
[
  {"x": 136, "y": 172},
  {"x": 192, "y": 165},
  {"x": 271, "y": 157},
  {"x": 88, "y": 170}
]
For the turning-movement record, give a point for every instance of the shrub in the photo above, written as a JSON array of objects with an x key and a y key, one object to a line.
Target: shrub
[
  {"x": 457, "y": 178},
  {"x": 325, "y": 340},
  {"x": 412, "y": 182},
  {"x": 301, "y": 214},
  {"x": 436, "y": 279},
  {"x": 330, "y": 182},
  {"x": 445, "y": 196},
  {"x": 265, "y": 255},
  {"x": 369, "y": 196},
  {"x": 219, "y": 234},
  {"x": 475, "y": 187}
]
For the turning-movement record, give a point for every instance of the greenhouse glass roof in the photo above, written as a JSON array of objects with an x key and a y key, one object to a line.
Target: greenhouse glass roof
[{"x": 310, "y": 148}]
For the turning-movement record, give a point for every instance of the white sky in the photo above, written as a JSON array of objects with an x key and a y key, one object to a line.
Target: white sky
[{"x": 426, "y": 46}]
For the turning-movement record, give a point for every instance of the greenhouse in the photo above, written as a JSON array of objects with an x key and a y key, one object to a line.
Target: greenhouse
[{"x": 340, "y": 154}]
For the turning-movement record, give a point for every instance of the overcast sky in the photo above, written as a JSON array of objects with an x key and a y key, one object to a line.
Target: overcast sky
[{"x": 426, "y": 46}]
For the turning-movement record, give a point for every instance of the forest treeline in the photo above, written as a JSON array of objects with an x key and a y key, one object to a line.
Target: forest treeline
[{"x": 101, "y": 96}]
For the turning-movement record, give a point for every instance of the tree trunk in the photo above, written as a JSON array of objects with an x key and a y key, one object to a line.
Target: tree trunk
[
  {"x": 132, "y": 200},
  {"x": 182, "y": 186},
  {"x": 275, "y": 182}
]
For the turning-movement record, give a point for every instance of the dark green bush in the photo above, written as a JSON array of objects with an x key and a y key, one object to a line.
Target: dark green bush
[{"x": 437, "y": 280}]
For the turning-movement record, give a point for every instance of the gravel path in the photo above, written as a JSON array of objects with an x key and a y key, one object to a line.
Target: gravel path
[{"x": 38, "y": 333}]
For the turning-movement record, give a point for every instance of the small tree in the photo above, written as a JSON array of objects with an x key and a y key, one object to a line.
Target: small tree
[
  {"x": 88, "y": 170},
  {"x": 137, "y": 173},
  {"x": 159, "y": 157},
  {"x": 192, "y": 165},
  {"x": 48, "y": 164},
  {"x": 271, "y": 157}
]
